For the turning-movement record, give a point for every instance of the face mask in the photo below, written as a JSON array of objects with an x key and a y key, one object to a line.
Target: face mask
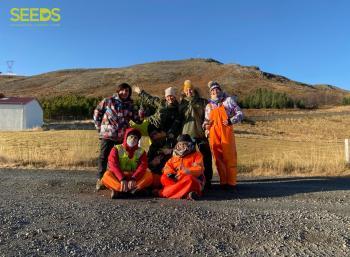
[
  {"x": 181, "y": 151},
  {"x": 131, "y": 142}
]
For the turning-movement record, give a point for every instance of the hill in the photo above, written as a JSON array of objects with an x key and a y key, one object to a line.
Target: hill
[{"x": 155, "y": 77}]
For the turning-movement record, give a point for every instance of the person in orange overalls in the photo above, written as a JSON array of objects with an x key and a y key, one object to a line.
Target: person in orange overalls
[
  {"x": 220, "y": 113},
  {"x": 127, "y": 166},
  {"x": 183, "y": 173}
]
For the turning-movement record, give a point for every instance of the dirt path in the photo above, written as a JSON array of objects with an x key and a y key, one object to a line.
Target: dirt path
[{"x": 47, "y": 213}]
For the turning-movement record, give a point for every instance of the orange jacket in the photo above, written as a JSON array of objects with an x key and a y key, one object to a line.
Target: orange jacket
[{"x": 192, "y": 162}]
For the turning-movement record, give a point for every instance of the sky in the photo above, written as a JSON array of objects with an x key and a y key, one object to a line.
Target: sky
[{"x": 304, "y": 40}]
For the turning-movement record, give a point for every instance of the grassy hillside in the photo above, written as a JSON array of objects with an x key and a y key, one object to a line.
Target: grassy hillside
[{"x": 155, "y": 77}]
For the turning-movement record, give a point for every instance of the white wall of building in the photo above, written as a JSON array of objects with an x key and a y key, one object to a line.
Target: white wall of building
[
  {"x": 19, "y": 117},
  {"x": 33, "y": 115},
  {"x": 11, "y": 117}
]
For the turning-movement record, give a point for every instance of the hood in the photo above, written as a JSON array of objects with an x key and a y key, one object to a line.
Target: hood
[{"x": 128, "y": 132}]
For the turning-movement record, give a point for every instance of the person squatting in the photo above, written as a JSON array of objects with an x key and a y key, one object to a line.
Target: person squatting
[{"x": 185, "y": 135}]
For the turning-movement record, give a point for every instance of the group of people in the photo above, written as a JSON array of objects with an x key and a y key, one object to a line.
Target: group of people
[{"x": 184, "y": 136}]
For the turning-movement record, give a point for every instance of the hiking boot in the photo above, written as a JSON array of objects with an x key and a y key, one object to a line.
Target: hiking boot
[
  {"x": 232, "y": 189},
  {"x": 155, "y": 192},
  {"x": 99, "y": 185},
  {"x": 114, "y": 194},
  {"x": 135, "y": 191},
  {"x": 207, "y": 186},
  {"x": 229, "y": 188},
  {"x": 193, "y": 196}
]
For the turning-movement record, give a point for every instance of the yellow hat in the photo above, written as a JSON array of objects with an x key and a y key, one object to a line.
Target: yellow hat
[{"x": 187, "y": 85}]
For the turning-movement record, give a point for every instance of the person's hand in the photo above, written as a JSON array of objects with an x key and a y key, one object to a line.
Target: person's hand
[
  {"x": 141, "y": 114},
  {"x": 137, "y": 89},
  {"x": 208, "y": 125},
  {"x": 156, "y": 161},
  {"x": 186, "y": 171},
  {"x": 172, "y": 176},
  {"x": 131, "y": 184},
  {"x": 227, "y": 122},
  {"x": 123, "y": 185}
]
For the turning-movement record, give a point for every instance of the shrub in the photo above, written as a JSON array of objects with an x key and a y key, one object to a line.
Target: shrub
[
  {"x": 263, "y": 98},
  {"x": 346, "y": 100},
  {"x": 69, "y": 107}
]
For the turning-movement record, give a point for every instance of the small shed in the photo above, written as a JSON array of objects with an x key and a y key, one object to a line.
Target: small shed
[{"x": 19, "y": 113}]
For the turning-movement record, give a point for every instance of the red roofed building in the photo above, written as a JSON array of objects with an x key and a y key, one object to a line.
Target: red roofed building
[{"x": 19, "y": 113}]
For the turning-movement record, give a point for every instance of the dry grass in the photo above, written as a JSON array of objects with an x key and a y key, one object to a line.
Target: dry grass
[
  {"x": 291, "y": 112},
  {"x": 326, "y": 129},
  {"x": 304, "y": 146},
  {"x": 49, "y": 149},
  {"x": 258, "y": 156},
  {"x": 311, "y": 146}
]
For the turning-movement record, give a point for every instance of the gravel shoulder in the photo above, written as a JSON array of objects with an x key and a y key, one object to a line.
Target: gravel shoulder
[{"x": 56, "y": 213}]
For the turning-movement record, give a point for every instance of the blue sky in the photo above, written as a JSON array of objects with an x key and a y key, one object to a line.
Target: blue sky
[{"x": 307, "y": 41}]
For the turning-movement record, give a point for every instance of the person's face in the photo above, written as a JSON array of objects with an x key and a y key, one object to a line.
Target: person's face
[
  {"x": 188, "y": 92},
  {"x": 180, "y": 146},
  {"x": 132, "y": 140},
  {"x": 170, "y": 99},
  {"x": 124, "y": 93},
  {"x": 157, "y": 136},
  {"x": 215, "y": 93}
]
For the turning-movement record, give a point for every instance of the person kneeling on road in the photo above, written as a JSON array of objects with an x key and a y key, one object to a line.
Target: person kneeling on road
[
  {"x": 127, "y": 166},
  {"x": 159, "y": 152},
  {"x": 183, "y": 173}
]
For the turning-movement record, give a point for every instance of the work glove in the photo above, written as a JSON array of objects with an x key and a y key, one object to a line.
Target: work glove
[{"x": 171, "y": 176}]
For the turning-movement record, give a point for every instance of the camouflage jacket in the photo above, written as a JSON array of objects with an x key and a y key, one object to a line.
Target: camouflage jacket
[
  {"x": 112, "y": 116},
  {"x": 166, "y": 117}
]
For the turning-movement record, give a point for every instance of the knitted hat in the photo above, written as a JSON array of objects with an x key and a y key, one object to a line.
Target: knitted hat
[
  {"x": 187, "y": 85},
  {"x": 213, "y": 84},
  {"x": 184, "y": 138},
  {"x": 170, "y": 91}
]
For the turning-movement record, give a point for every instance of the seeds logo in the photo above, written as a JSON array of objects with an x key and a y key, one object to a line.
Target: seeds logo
[{"x": 35, "y": 16}]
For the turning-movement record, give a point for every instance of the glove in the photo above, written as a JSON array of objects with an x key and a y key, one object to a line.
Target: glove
[{"x": 171, "y": 176}]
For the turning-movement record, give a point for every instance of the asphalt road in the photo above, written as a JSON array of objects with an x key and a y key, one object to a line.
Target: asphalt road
[{"x": 56, "y": 213}]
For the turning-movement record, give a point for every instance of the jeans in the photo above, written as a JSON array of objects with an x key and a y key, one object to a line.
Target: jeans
[{"x": 106, "y": 146}]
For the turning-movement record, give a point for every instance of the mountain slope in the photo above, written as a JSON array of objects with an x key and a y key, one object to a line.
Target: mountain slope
[{"x": 155, "y": 77}]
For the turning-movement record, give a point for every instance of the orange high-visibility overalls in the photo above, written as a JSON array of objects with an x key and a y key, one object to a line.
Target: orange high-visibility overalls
[
  {"x": 223, "y": 146},
  {"x": 111, "y": 182},
  {"x": 185, "y": 183}
]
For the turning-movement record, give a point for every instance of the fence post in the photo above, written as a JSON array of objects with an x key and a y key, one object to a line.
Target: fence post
[{"x": 347, "y": 151}]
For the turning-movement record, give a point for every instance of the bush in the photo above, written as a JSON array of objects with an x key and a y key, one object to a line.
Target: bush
[
  {"x": 346, "y": 100},
  {"x": 69, "y": 107},
  {"x": 263, "y": 98}
]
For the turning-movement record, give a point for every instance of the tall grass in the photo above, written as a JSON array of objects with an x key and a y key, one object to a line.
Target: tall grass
[
  {"x": 276, "y": 157},
  {"x": 312, "y": 146},
  {"x": 56, "y": 149}
]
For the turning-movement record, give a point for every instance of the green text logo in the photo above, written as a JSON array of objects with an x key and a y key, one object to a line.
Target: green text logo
[{"x": 35, "y": 15}]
